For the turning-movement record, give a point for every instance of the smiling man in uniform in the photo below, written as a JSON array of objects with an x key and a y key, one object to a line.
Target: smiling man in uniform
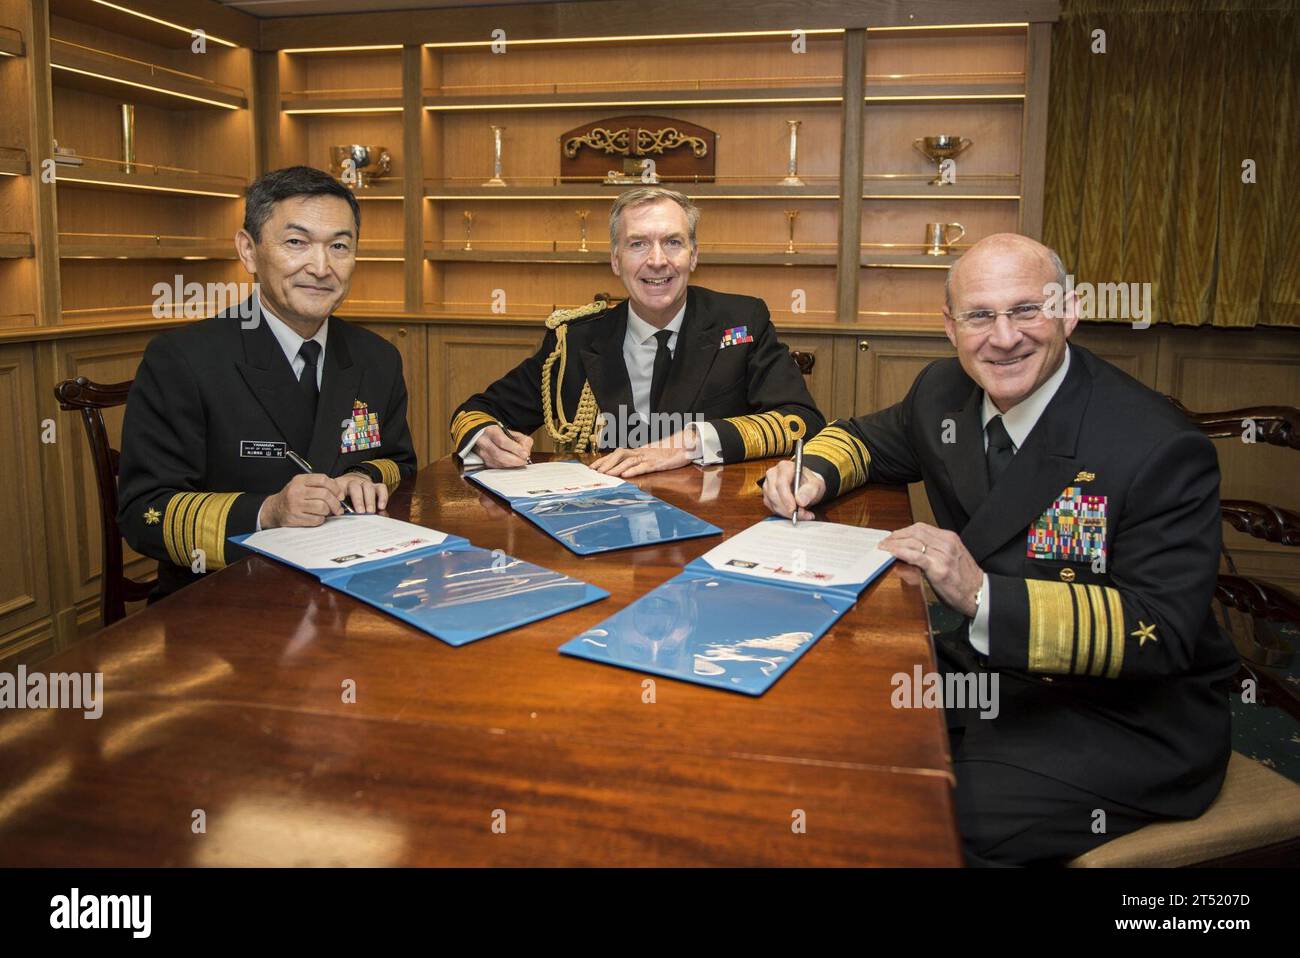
[
  {"x": 217, "y": 406},
  {"x": 1078, "y": 540},
  {"x": 681, "y": 373}
]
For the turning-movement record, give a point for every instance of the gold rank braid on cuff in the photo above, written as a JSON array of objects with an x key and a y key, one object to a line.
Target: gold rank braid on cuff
[
  {"x": 579, "y": 434},
  {"x": 844, "y": 451},
  {"x": 466, "y": 424},
  {"x": 389, "y": 473},
  {"x": 1075, "y": 629},
  {"x": 197, "y": 520},
  {"x": 768, "y": 433}
]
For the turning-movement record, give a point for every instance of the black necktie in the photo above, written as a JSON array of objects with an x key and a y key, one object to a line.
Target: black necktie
[
  {"x": 310, "y": 353},
  {"x": 1000, "y": 451},
  {"x": 663, "y": 359}
]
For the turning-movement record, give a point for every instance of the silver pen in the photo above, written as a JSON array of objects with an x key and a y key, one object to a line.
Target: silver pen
[
  {"x": 305, "y": 466},
  {"x": 798, "y": 474}
]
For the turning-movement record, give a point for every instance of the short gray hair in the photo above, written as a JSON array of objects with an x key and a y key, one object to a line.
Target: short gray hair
[
  {"x": 1052, "y": 255},
  {"x": 643, "y": 196}
]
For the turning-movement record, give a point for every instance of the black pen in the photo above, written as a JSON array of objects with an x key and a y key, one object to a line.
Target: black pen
[{"x": 305, "y": 466}]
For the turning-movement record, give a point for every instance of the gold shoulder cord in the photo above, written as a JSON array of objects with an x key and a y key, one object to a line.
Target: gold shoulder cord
[{"x": 579, "y": 433}]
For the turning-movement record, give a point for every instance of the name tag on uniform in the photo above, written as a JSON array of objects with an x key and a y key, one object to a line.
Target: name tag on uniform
[
  {"x": 1073, "y": 528},
  {"x": 262, "y": 449}
]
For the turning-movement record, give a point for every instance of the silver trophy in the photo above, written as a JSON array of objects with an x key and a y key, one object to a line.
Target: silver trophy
[
  {"x": 792, "y": 167},
  {"x": 496, "y": 158},
  {"x": 356, "y": 165}
]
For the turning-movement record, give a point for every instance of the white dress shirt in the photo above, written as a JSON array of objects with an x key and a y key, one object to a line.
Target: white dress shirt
[
  {"x": 639, "y": 348},
  {"x": 1019, "y": 421}
]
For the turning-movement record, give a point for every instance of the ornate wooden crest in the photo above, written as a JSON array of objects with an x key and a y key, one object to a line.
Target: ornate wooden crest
[{"x": 615, "y": 150}]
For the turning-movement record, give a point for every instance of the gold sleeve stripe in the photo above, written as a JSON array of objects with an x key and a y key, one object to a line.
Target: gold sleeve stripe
[
  {"x": 767, "y": 433},
  {"x": 845, "y": 452},
  {"x": 389, "y": 474},
  {"x": 1096, "y": 610},
  {"x": 1075, "y": 629},
  {"x": 197, "y": 520},
  {"x": 1116, "y": 608},
  {"x": 1051, "y": 626},
  {"x": 1084, "y": 664},
  {"x": 465, "y": 425}
]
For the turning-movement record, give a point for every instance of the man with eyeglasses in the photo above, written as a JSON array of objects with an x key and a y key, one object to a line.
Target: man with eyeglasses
[{"x": 1078, "y": 543}]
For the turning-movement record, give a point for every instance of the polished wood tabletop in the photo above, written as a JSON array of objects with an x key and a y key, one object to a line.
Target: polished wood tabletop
[{"x": 226, "y": 739}]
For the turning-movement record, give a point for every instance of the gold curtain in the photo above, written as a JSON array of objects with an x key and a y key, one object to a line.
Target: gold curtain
[{"x": 1145, "y": 154}]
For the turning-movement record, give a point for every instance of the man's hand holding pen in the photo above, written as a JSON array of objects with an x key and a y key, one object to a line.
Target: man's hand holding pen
[
  {"x": 504, "y": 448},
  {"x": 779, "y": 494}
]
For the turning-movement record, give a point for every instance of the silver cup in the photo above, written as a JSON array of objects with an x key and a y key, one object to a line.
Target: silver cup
[{"x": 357, "y": 165}]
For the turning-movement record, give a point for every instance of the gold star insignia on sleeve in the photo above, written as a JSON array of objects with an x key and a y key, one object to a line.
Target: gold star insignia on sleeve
[
  {"x": 152, "y": 516},
  {"x": 1143, "y": 632}
]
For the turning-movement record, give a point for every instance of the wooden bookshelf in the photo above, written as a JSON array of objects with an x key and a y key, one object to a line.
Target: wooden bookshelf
[{"x": 125, "y": 224}]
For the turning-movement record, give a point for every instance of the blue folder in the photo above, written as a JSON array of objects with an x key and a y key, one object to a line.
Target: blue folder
[
  {"x": 602, "y": 520},
  {"x": 453, "y": 590},
  {"x": 720, "y": 628}
]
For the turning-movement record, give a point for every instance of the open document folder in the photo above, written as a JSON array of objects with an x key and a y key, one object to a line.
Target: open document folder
[
  {"x": 740, "y": 615},
  {"x": 587, "y": 511},
  {"x": 439, "y": 583}
]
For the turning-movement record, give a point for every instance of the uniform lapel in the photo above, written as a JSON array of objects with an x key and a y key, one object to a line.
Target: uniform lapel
[
  {"x": 602, "y": 360},
  {"x": 340, "y": 387},
  {"x": 1041, "y": 468},
  {"x": 964, "y": 458},
  {"x": 697, "y": 347},
  {"x": 270, "y": 378}
]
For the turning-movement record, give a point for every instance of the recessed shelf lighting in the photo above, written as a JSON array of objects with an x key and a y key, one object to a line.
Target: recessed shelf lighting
[
  {"x": 145, "y": 186},
  {"x": 143, "y": 86},
  {"x": 345, "y": 109},
  {"x": 166, "y": 23},
  {"x": 354, "y": 49},
  {"x": 632, "y": 38},
  {"x": 948, "y": 26},
  {"x": 568, "y": 104}
]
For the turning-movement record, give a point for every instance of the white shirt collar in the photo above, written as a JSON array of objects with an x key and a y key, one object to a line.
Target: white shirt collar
[
  {"x": 642, "y": 332},
  {"x": 1021, "y": 418},
  {"x": 290, "y": 341}
]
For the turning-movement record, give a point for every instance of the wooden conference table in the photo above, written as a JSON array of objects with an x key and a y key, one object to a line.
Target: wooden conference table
[{"x": 223, "y": 708}]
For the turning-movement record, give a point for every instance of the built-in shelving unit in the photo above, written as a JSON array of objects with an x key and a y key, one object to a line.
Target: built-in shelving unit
[{"x": 159, "y": 192}]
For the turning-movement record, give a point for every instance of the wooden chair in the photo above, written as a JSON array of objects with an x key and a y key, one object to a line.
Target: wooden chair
[
  {"x": 91, "y": 399},
  {"x": 1261, "y": 603},
  {"x": 1255, "y": 820},
  {"x": 805, "y": 361}
]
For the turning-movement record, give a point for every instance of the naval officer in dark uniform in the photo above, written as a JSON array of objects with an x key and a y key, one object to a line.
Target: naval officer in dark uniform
[
  {"x": 1078, "y": 537},
  {"x": 680, "y": 373},
  {"x": 217, "y": 406}
]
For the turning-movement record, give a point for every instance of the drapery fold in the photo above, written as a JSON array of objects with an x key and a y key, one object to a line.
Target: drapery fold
[{"x": 1146, "y": 145}]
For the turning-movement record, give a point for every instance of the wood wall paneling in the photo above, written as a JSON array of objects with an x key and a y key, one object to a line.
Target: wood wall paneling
[
  {"x": 464, "y": 360},
  {"x": 1231, "y": 370},
  {"x": 24, "y": 581}
]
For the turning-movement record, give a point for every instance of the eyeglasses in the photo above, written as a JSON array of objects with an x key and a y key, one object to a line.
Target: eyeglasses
[{"x": 1022, "y": 316}]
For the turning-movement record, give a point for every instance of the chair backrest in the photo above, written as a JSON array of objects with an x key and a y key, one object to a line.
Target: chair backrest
[
  {"x": 805, "y": 361},
  {"x": 91, "y": 399},
  {"x": 1275, "y": 425}
]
